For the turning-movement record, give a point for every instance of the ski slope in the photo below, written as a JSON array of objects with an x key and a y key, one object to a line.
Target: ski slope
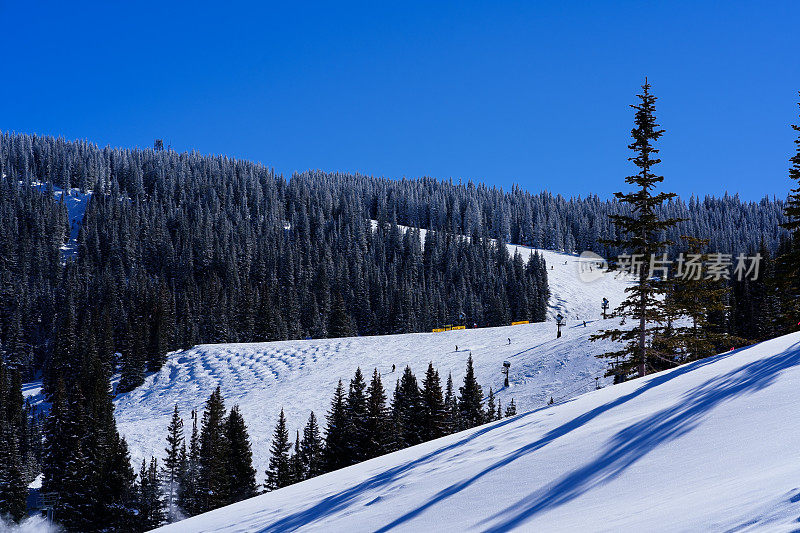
[
  {"x": 301, "y": 375},
  {"x": 709, "y": 446}
]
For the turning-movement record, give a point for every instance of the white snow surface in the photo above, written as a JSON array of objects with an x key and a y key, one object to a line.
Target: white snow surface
[
  {"x": 301, "y": 375},
  {"x": 709, "y": 446}
]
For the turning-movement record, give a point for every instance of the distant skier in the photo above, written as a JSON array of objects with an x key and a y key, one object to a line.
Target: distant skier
[
  {"x": 509, "y": 340},
  {"x": 551, "y": 401},
  {"x": 393, "y": 367},
  {"x": 456, "y": 347},
  {"x": 584, "y": 323}
]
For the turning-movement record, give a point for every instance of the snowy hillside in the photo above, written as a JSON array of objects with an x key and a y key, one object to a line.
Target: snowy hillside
[
  {"x": 710, "y": 446},
  {"x": 300, "y": 375}
]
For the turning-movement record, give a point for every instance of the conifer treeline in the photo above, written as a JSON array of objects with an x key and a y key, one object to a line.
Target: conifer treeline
[
  {"x": 177, "y": 249},
  {"x": 215, "y": 467},
  {"x": 362, "y": 423}
]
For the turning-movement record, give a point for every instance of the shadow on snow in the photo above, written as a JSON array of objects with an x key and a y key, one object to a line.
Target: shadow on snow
[{"x": 624, "y": 449}]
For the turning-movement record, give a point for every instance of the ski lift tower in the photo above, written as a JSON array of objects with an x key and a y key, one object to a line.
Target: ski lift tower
[
  {"x": 605, "y": 307},
  {"x": 559, "y": 323},
  {"x": 506, "y": 366}
]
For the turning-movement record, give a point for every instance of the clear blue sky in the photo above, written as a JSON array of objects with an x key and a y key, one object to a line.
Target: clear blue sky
[{"x": 533, "y": 93}]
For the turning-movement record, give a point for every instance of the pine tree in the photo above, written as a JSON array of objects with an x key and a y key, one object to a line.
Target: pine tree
[
  {"x": 451, "y": 423},
  {"x": 790, "y": 259},
  {"x": 151, "y": 504},
  {"x": 119, "y": 489},
  {"x": 704, "y": 301},
  {"x": 279, "y": 471},
  {"x": 511, "y": 410},
  {"x": 241, "y": 474},
  {"x": 311, "y": 448},
  {"x": 357, "y": 419},
  {"x": 407, "y": 414},
  {"x": 336, "y": 448},
  {"x": 491, "y": 410},
  {"x": 433, "y": 408},
  {"x": 641, "y": 239},
  {"x": 189, "y": 496},
  {"x": 378, "y": 437},
  {"x": 297, "y": 471},
  {"x": 470, "y": 408},
  {"x": 173, "y": 464},
  {"x": 214, "y": 451}
]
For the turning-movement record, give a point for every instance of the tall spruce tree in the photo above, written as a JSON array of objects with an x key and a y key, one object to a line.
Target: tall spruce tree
[
  {"x": 213, "y": 474},
  {"x": 336, "y": 438},
  {"x": 297, "y": 470},
  {"x": 640, "y": 237},
  {"x": 378, "y": 437},
  {"x": 702, "y": 300},
  {"x": 151, "y": 503},
  {"x": 491, "y": 407},
  {"x": 312, "y": 448},
  {"x": 451, "y": 423},
  {"x": 790, "y": 259},
  {"x": 189, "y": 496},
  {"x": 433, "y": 408},
  {"x": 470, "y": 400},
  {"x": 173, "y": 464},
  {"x": 407, "y": 413},
  {"x": 357, "y": 419},
  {"x": 241, "y": 474},
  {"x": 279, "y": 472}
]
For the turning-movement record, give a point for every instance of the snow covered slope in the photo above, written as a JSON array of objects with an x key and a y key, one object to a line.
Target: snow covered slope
[
  {"x": 301, "y": 375},
  {"x": 710, "y": 446}
]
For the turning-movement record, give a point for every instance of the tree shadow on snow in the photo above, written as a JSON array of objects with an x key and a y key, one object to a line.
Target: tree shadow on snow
[
  {"x": 637, "y": 440},
  {"x": 341, "y": 500}
]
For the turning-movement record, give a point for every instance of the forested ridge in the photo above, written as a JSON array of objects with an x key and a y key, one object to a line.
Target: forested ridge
[{"x": 178, "y": 248}]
